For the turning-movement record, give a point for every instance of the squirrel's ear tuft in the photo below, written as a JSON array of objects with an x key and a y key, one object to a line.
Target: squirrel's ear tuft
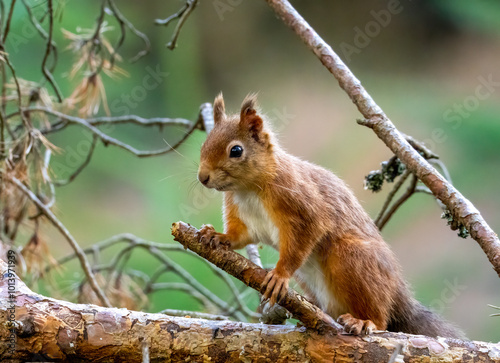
[
  {"x": 249, "y": 118},
  {"x": 249, "y": 104},
  {"x": 219, "y": 108}
]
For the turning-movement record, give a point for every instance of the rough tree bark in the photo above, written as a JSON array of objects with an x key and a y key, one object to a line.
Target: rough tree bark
[{"x": 52, "y": 330}]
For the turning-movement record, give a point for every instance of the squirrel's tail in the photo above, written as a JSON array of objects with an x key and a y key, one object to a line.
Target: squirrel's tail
[{"x": 413, "y": 318}]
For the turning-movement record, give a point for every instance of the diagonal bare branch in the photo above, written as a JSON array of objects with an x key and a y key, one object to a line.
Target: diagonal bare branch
[
  {"x": 62, "y": 229},
  {"x": 390, "y": 196},
  {"x": 461, "y": 208},
  {"x": 407, "y": 194}
]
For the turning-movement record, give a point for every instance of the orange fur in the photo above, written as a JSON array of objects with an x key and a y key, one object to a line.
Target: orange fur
[{"x": 324, "y": 237}]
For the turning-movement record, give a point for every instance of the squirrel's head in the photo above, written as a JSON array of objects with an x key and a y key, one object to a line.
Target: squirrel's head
[{"x": 237, "y": 154}]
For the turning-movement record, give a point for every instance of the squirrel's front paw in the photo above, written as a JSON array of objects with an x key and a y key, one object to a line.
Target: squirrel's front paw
[
  {"x": 356, "y": 326},
  {"x": 275, "y": 287},
  {"x": 213, "y": 238}
]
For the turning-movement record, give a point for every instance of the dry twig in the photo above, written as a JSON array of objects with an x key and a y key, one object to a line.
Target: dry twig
[
  {"x": 108, "y": 140},
  {"x": 62, "y": 229},
  {"x": 406, "y": 195},
  {"x": 182, "y": 15},
  {"x": 46, "y": 72},
  {"x": 389, "y": 198},
  {"x": 150, "y": 284},
  {"x": 124, "y": 22}
]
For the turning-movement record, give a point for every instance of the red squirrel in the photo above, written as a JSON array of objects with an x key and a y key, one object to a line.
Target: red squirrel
[{"x": 325, "y": 238}]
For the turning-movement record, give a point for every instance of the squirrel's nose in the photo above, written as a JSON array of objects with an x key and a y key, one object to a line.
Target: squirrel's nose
[{"x": 203, "y": 178}]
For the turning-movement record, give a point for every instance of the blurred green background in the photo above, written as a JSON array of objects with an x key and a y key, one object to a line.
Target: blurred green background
[{"x": 423, "y": 65}]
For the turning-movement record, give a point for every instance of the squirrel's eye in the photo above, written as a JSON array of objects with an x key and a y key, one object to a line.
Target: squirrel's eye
[{"x": 236, "y": 151}]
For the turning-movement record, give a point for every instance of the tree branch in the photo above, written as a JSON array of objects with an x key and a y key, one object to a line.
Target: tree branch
[
  {"x": 108, "y": 140},
  {"x": 48, "y": 75},
  {"x": 193, "y": 314},
  {"x": 48, "y": 329},
  {"x": 182, "y": 15},
  {"x": 407, "y": 194},
  {"x": 157, "y": 250},
  {"x": 252, "y": 275},
  {"x": 76, "y": 247},
  {"x": 7, "y": 23},
  {"x": 461, "y": 208},
  {"x": 82, "y": 166},
  {"x": 390, "y": 196},
  {"x": 123, "y": 21}
]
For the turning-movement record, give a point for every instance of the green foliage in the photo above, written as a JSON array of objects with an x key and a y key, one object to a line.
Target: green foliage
[{"x": 482, "y": 15}]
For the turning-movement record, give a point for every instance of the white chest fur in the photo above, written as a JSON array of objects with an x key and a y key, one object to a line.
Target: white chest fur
[
  {"x": 262, "y": 229},
  {"x": 252, "y": 212}
]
